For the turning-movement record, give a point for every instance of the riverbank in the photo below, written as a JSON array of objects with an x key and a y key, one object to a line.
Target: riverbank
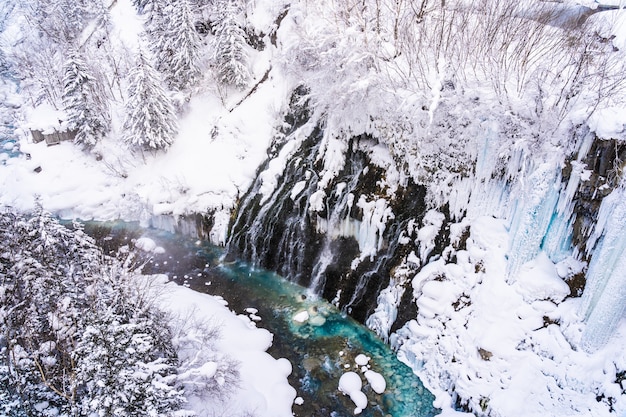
[{"x": 263, "y": 390}]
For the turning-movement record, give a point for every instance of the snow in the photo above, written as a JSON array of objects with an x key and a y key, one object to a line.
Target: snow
[
  {"x": 361, "y": 359},
  {"x": 376, "y": 381},
  {"x": 148, "y": 245},
  {"x": 350, "y": 384},
  {"x": 264, "y": 388},
  {"x": 301, "y": 317},
  {"x": 540, "y": 281},
  {"x": 46, "y": 118},
  {"x": 609, "y": 123},
  {"x": 127, "y": 25},
  {"x": 514, "y": 344},
  {"x": 433, "y": 220}
]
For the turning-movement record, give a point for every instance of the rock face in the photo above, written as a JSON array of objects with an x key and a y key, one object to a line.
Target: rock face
[
  {"x": 340, "y": 237},
  {"x": 342, "y": 214}
]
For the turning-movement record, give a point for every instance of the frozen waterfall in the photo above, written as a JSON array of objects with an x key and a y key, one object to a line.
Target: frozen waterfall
[{"x": 604, "y": 298}]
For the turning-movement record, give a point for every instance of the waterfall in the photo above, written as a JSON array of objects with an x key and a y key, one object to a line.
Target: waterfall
[
  {"x": 323, "y": 214},
  {"x": 335, "y": 213}
]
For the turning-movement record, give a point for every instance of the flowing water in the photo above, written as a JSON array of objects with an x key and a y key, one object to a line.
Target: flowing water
[{"x": 320, "y": 349}]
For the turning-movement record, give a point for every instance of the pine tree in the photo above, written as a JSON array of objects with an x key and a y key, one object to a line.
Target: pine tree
[
  {"x": 230, "y": 52},
  {"x": 177, "y": 46},
  {"x": 142, "y": 5},
  {"x": 85, "y": 113},
  {"x": 124, "y": 368},
  {"x": 73, "y": 333},
  {"x": 150, "y": 119}
]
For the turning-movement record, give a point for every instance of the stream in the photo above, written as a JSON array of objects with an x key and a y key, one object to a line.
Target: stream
[{"x": 321, "y": 348}]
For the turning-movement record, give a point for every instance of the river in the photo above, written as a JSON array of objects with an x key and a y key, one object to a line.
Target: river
[{"x": 320, "y": 349}]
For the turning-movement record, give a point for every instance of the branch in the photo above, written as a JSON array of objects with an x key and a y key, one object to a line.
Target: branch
[
  {"x": 261, "y": 81},
  {"x": 48, "y": 384}
]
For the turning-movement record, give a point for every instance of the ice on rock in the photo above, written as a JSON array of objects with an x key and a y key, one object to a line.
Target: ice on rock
[
  {"x": 604, "y": 298},
  {"x": 433, "y": 220},
  {"x": 297, "y": 189},
  {"x": 376, "y": 214},
  {"x": 269, "y": 178},
  {"x": 317, "y": 201},
  {"x": 386, "y": 312}
]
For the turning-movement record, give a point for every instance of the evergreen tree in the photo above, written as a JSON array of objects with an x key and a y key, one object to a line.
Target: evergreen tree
[
  {"x": 142, "y": 5},
  {"x": 230, "y": 52},
  {"x": 150, "y": 119},
  {"x": 74, "y": 337},
  {"x": 85, "y": 112},
  {"x": 176, "y": 46},
  {"x": 139, "y": 378},
  {"x": 154, "y": 10}
]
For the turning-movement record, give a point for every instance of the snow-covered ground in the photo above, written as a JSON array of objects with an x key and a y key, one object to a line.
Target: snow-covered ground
[
  {"x": 510, "y": 347},
  {"x": 210, "y": 165},
  {"x": 263, "y": 390}
]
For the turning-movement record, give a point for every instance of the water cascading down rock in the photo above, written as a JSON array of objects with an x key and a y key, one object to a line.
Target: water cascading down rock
[{"x": 335, "y": 231}]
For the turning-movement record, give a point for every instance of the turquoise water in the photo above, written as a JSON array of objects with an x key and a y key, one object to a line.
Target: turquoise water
[{"x": 320, "y": 349}]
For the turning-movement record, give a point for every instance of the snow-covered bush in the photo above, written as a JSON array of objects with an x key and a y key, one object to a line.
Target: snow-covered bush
[{"x": 81, "y": 334}]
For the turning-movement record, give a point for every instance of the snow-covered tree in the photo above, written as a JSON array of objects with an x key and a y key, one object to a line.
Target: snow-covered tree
[
  {"x": 86, "y": 114},
  {"x": 142, "y": 5},
  {"x": 231, "y": 57},
  {"x": 76, "y": 336},
  {"x": 125, "y": 367},
  {"x": 175, "y": 44},
  {"x": 44, "y": 268},
  {"x": 48, "y": 31},
  {"x": 150, "y": 118}
]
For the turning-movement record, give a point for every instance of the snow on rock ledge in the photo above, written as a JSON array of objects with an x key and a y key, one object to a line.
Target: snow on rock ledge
[
  {"x": 350, "y": 384},
  {"x": 506, "y": 348},
  {"x": 609, "y": 123}
]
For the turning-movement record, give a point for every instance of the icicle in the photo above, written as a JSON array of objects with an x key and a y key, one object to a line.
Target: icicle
[
  {"x": 532, "y": 216},
  {"x": 604, "y": 298},
  {"x": 558, "y": 241},
  {"x": 487, "y": 196},
  {"x": 375, "y": 216}
]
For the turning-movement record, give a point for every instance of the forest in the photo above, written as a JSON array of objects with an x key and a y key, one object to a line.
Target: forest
[{"x": 400, "y": 158}]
